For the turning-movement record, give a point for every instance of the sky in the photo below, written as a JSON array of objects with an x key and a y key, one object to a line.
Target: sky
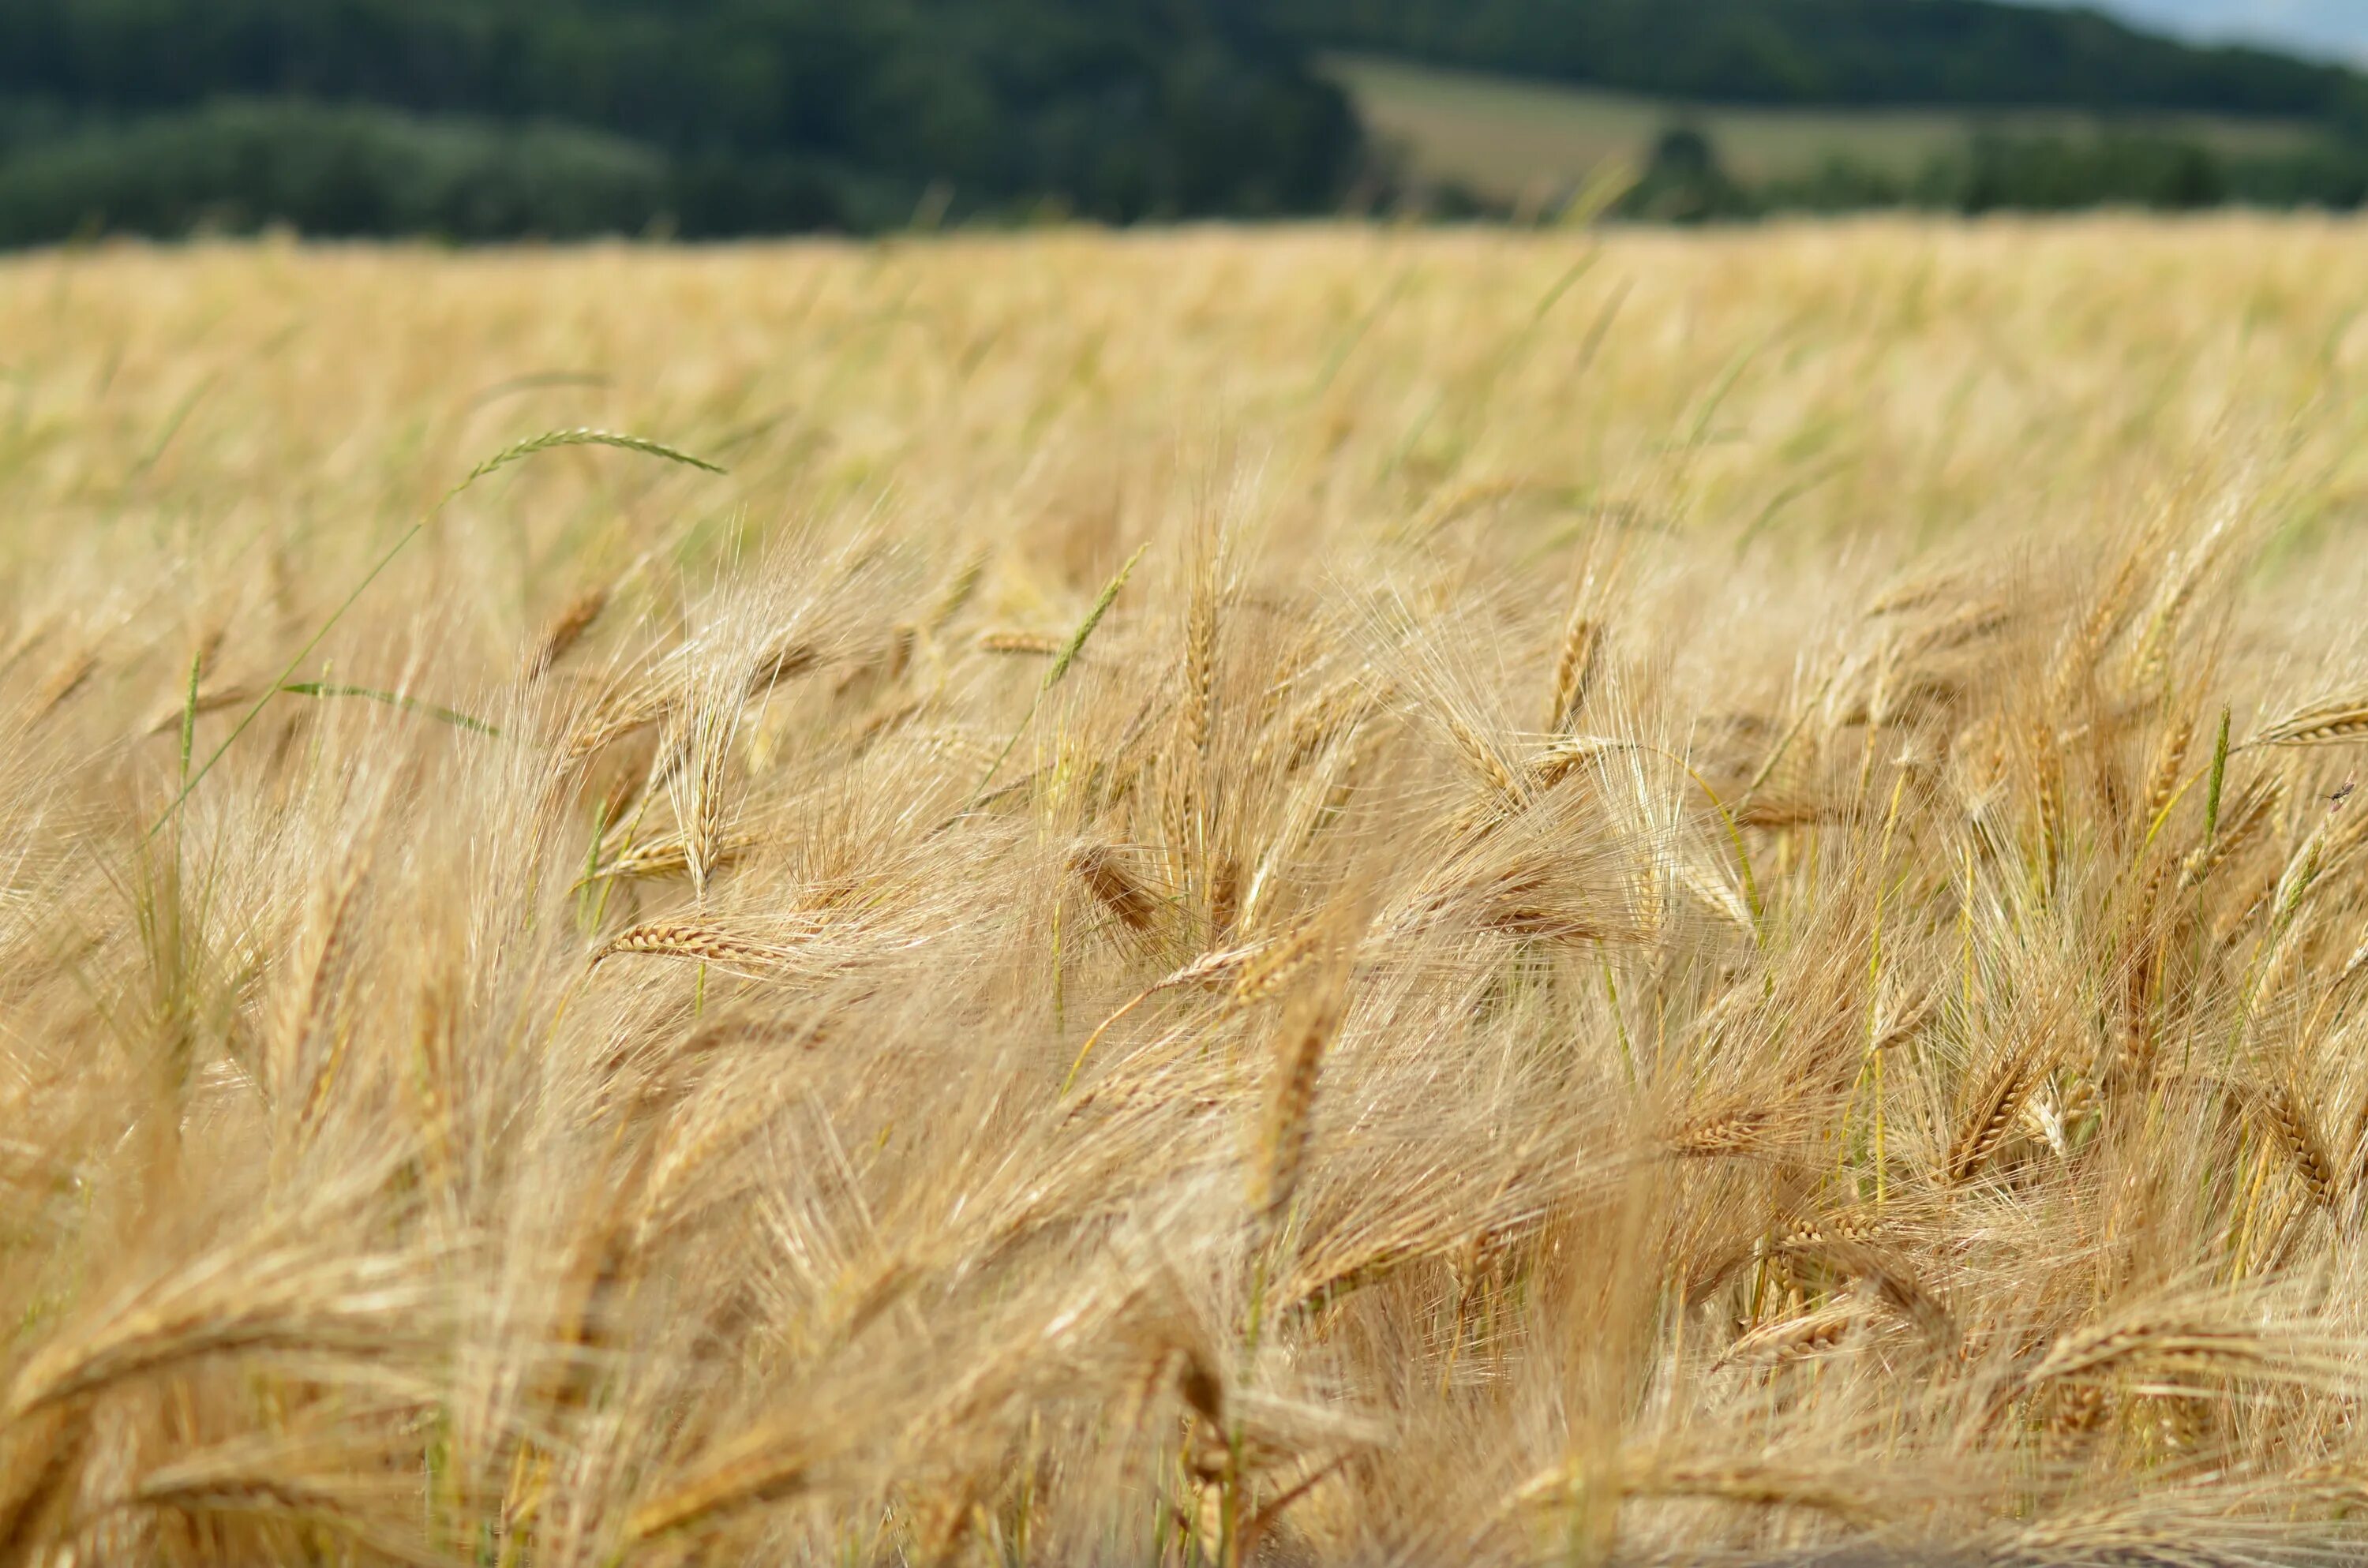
[{"x": 2334, "y": 27}]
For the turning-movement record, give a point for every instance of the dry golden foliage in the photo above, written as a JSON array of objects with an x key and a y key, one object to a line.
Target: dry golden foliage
[{"x": 1633, "y": 952}]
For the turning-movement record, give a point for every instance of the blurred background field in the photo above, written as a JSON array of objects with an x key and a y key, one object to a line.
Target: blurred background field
[{"x": 1883, "y": 382}]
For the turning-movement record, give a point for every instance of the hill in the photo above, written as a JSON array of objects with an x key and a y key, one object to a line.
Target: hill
[
  {"x": 1500, "y": 134},
  {"x": 1517, "y": 143},
  {"x": 1901, "y": 52}
]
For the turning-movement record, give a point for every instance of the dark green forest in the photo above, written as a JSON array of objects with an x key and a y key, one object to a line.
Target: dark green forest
[
  {"x": 481, "y": 119},
  {"x": 709, "y": 117}
]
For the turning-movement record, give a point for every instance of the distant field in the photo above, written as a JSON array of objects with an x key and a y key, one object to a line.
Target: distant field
[{"x": 1512, "y": 138}]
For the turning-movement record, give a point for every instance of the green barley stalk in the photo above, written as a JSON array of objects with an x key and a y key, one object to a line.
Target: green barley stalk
[
  {"x": 190, "y": 716},
  {"x": 452, "y": 716},
  {"x": 2219, "y": 774},
  {"x": 1060, "y": 668},
  {"x": 576, "y": 438},
  {"x": 501, "y": 459}
]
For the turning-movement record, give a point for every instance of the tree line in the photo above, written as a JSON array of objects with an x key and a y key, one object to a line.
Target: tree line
[
  {"x": 709, "y": 116},
  {"x": 1686, "y": 180},
  {"x": 480, "y": 119}
]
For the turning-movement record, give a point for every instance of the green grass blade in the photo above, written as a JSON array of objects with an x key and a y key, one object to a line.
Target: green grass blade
[
  {"x": 500, "y": 460},
  {"x": 2219, "y": 774},
  {"x": 394, "y": 700},
  {"x": 551, "y": 439},
  {"x": 172, "y": 423},
  {"x": 1060, "y": 668},
  {"x": 190, "y": 716},
  {"x": 1093, "y": 617}
]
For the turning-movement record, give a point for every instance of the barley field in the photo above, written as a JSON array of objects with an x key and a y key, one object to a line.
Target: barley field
[{"x": 1299, "y": 897}]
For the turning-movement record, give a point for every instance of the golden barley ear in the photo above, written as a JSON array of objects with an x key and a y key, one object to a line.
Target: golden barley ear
[
  {"x": 2333, "y": 722},
  {"x": 1483, "y": 762},
  {"x": 1032, "y": 644},
  {"x": 1200, "y": 645},
  {"x": 1895, "y": 1282},
  {"x": 1286, "y": 1132},
  {"x": 1116, "y": 886},
  {"x": 64, "y": 681},
  {"x": 2162, "y": 778},
  {"x": 1579, "y": 652},
  {"x": 958, "y": 589},
  {"x": 1267, "y": 969},
  {"x": 1794, "y": 1339},
  {"x": 1726, "y": 1133},
  {"x": 2248, "y": 822},
  {"x": 2111, "y": 611},
  {"x": 682, "y": 939},
  {"x": 1582, "y": 642},
  {"x": 1993, "y": 1113},
  {"x": 2289, "y": 1123},
  {"x": 563, "y": 631},
  {"x": 766, "y": 1466},
  {"x": 2047, "y": 782}
]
